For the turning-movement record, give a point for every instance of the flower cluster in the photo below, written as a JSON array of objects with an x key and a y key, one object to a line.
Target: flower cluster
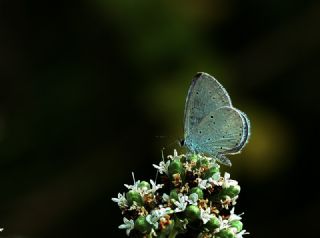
[{"x": 193, "y": 200}]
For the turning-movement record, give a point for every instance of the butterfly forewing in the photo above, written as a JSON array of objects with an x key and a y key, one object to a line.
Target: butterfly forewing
[{"x": 205, "y": 95}]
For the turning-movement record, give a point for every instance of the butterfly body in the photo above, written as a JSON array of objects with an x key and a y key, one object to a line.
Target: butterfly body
[{"x": 212, "y": 125}]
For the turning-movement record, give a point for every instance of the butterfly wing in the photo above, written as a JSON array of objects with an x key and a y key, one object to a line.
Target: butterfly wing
[
  {"x": 205, "y": 95},
  {"x": 223, "y": 131}
]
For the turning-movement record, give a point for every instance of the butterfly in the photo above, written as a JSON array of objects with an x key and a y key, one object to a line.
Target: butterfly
[{"x": 212, "y": 126}]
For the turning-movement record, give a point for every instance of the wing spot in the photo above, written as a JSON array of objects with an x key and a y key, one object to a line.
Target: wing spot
[
  {"x": 200, "y": 132},
  {"x": 211, "y": 116}
]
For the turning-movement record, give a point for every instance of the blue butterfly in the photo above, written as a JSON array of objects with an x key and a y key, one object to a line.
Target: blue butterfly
[{"x": 212, "y": 126}]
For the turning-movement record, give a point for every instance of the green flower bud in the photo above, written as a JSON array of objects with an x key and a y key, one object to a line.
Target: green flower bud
[
  {"x": 193, "y": 158},
  {"x": 142, "y": 225},
  {"x": 226, "y": 233},
  {"x": 202, "y": 163},
  {"x": 212, "y": 224},
  {"x": 232, "y": 191},
  {"x": 144, "y": 185},
  {"x": 192, "y": 212},
  {"x": 210, "y": 172},
  {"x": 133, "y": 196},
  {"x": 237, "y": 224},
  {"x": 198, "y": 191},
  {"x": 175, "y": 167},
  {"x": 174, "y": 194}
]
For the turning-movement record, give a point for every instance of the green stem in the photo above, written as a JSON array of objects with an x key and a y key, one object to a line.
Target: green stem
[{"x": 173, "y": 233}]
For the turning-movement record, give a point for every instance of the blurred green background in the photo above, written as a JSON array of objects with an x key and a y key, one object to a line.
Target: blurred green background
[{"x": 92, "y": 90}]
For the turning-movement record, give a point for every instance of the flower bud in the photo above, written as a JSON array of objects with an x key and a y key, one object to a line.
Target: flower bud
[
  {"x": 144, "y": 185},
  {"x": 142, "y": 225},
  {"x": 133, "y": 196},
  {"x": 174, "y": 194},
  {"x": 212, "y": 224},
  {"x": 198, "y": 191},
  {"x": 225, "y": 233},
  {"x": 192, "y": 212},
  {"x": 237, "y": 224},
  {"x": 232, "y": 191},
  {"x": 210, "y": 172},
  {"x": 175, "y": 167},
  {"x": 202, "y": 163}
]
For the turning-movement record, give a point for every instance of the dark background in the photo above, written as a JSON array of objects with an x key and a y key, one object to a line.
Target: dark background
[{"x": 92, "y": 90}]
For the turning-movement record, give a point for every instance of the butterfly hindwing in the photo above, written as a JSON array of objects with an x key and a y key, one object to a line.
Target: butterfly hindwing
[{"x": 220, "y": 132}]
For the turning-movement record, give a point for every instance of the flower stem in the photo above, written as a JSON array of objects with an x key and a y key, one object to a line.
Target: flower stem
[{"x": 173, "y": 233}]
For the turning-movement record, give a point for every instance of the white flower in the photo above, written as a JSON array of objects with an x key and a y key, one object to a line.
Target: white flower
[
  {"x": 121, "y": 200},
  {"x": 202, "y": 183},
  {"x": 205, "y": 215},
  {"x": 133, "y": 187},
  {"x": 223, "y": 224},
  {"x": 128, "y": 225},
  {"x": 165, "y": 197},
  {"x": 162, "y": 167},
  {"x": 175, "y": 155},
  {"x": 181, "y": 203},
  {"x": 155, "y": 187},
  {"x": 227, "y": 182},
  {"x": 233, "y": 216},
  {"x": 193, "y": 199},
  {"x": 241, "y": 233},
  {"x": 155, "y": 215}
]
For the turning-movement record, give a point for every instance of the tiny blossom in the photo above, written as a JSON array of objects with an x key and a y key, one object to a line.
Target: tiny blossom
[
  {"x": 135, "y": 185},
  {"x": 165, "y": 197},
  {"x": 175, "y": 155},
  {"x": 193, "y": 199},
  {"x": 233, "y": 216},
  {"x": 205, "y": 215},
  {"x": 162, "y": 167},
  {"x": 241, "y": 233},
  {"x": 181, "y": 203},
  {"x": 202, "y": 183},
  {"x": 155, "y": 187},
  {"x": 121, "y": 200},
  {"x": 155, "y": 215},
  {"x": 128, "y": 225},
  {"x": 223, "y": 223},
  {"x": 227, "y": 182}
]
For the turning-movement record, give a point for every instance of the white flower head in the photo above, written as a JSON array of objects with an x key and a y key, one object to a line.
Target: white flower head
[
  {"x": 181, "y": 203},
  {"x": 205, "y": 215},
  {"x": 162, "y": 167},
  {"x": 121, "y": 200},
  {"x": 128, "y": 225}
]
